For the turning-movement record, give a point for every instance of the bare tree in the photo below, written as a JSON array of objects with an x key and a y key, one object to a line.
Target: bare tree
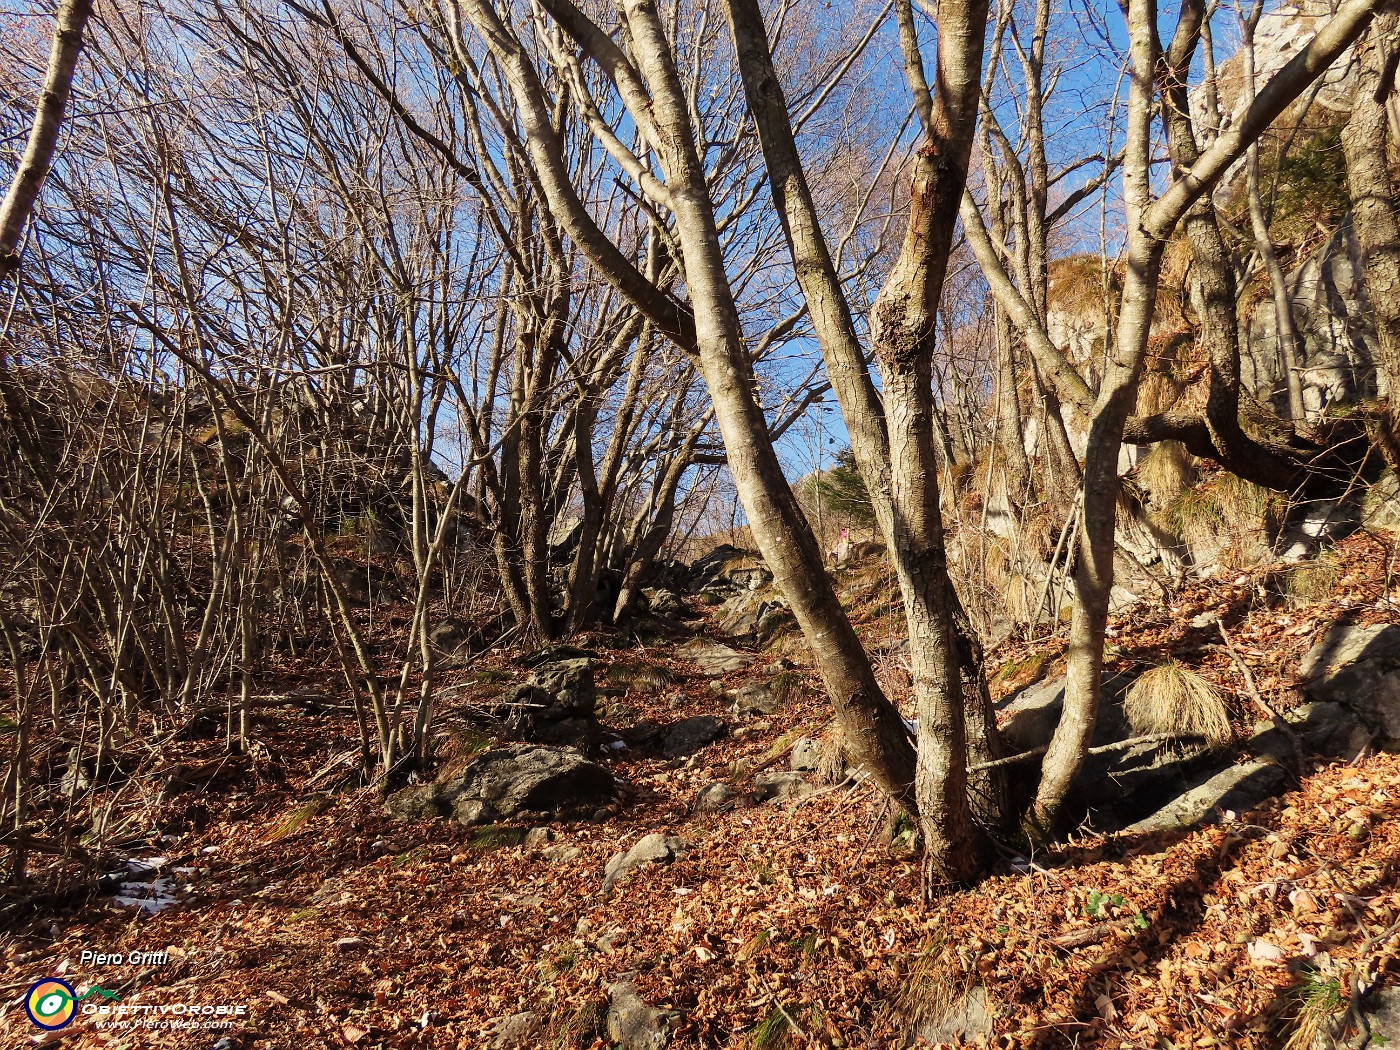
[{"x": 39, "y": 152}]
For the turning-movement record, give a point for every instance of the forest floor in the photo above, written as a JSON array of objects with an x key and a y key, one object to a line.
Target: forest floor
[{"x": 785, "y": 924}]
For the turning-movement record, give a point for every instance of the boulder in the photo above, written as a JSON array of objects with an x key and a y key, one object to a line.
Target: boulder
[
  {"x": 527, "y": 778},
  {"x": 780, "y": 787},
  {"x": 1359, "y": 668},
  {"x": 713, "y": 658},
  {"x": 632, "y": 1024},
  {"x": 757, "y": 698},
  {"x": 655, "y": 848},
  {"x": 714, "y": 798},
  {"x": 689, "y": 736},
  {"x": 508, "y": 781},
  {"x": 1236, "y": 788}
]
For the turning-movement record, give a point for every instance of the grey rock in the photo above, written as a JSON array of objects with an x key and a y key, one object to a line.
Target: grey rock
[
  {"x": 525, "y": 777},
  {"x": 757, "y": 698},
  {"x": 969, "y": 1019},
  {"x": 624, "y": 715},
  {"x": 689, "y": 736},
  {"x": 449, "y": 637},
  {"x": 557, "y": 704},
  {"x": 538, "y": 838},
  {"x": 1380, "y": 508},
  {"x": 516, "y": 1030},
  {"x": 632, "y": 1024},
  {"x": 1314, "y": 523},
  {"x": 554, "y": 654},
  {"x": 1319, "y": 727},
  {"x": 806, "y": 755},
  {"x": 562, "y": 853},
  {"x": 662, "y": 602},
  {"x": 780, "y": 787},
  {"x": 506, "y": 782},
  {"x": 727, "y": 569},
  {"x": 569, "y": 684},
  {"x": 1336, "y": 322},
  {"x": 418, "y": 802},
  {"x": 1235, "y": 788},
  {"x": 1383, "y": 1015},
  {"x": 1359, "y": 668},
  {"x": 739, "y": 615},
  {"x": 1029, "y": 720},
  {"x": 713, "y": 658},
  {"x": 713, "y": 798},
  {"x": 473, "y": 812},
  {"x": 655, "y": 848},
  {"x": 775, "y": 617}
]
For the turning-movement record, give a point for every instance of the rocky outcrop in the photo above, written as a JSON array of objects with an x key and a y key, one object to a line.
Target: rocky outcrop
[
  {"x": 1155, "y": 785},
  {"x": 557, "y": 704},
  {"x": 1336, "y": 323},
  {"x": 509, "y": 782},
  {"x": 727, "y": 570},
  {"x": 1236, "y": 788},
  {"x": 1359, "y": 668}
]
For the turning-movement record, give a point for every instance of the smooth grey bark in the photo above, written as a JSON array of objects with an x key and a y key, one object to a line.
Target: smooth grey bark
[
  {"x": 39, "y": 151},
  {"x": 652, "y": 92},
  {"x": 1150, "y": 224},
  {"x": 1375, "y": 210},
  {"x": 895, "y": 454},
  {"x": 1287, "y": 328}
]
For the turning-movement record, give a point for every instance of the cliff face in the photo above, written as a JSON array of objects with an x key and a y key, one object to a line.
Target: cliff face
[
  {"x": 1282, "y": 32},
  {"x": 1334, "y": 317}
]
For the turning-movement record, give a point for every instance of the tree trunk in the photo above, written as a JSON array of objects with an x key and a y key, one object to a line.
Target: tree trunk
[
  {"x": 43, "y": 135},
  {"x": 1375, "y": 212}
]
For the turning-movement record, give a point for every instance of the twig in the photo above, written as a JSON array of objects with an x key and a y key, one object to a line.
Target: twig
[
  {"x": 1278, "y": 720},
  {"x": 776, "y": 1002},
  {"x": 1071, "y": 520},
  {"x": 1117, "y": 745}
]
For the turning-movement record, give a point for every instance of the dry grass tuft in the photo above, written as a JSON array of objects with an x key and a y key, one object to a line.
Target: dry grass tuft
[
  {"x": 1157, "y": 392},
  {"x": 833, "y": 763},
  {"x": 1166, "y": 471},
  {"x": 1173, "y": 699},
  {"x": 1224, "y": 519},
  {"x": 933, "y": 988},
  {"x": 1312, "y": 582}
]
